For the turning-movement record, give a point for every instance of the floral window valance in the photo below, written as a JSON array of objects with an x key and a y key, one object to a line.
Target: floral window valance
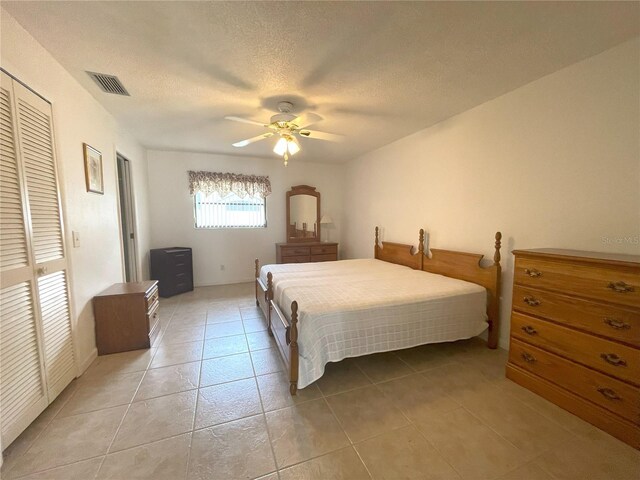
[{"x": 225, "y": 183}]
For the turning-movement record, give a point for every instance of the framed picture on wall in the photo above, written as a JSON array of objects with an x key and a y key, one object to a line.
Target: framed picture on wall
[{"x": 93, "y": 169}]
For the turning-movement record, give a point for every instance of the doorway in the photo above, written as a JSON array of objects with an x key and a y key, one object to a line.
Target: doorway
[{"x": 127, "y": 219}]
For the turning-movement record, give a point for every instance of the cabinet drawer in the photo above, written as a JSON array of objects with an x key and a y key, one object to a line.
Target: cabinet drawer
[
  {"x": 294, "y": 251},
  {"x": 181, "y": 259},
  {"x": 296, "y": 259},
  {"x": 600, "y": 389},
  {"x": 324, "y": 249},
  {"x": 151, "y": 298},
  {"x": 329, "y": 257},
  {"x": 618, "y": 323},
  {"x": 600, "y": 283},
  {"x": 609, "y": 357}
]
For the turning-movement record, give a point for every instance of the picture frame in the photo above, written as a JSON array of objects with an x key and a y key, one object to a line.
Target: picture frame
[{"x": 93, "y": 169}]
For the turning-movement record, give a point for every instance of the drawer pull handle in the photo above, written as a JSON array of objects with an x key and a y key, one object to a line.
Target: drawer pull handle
[
  {"x": 613, "y": 359},
  {"x": 609, "y": 394},
  {"x": 529, "y": 330},
  {"x": 527, "y": 357},
  {"x": 533, "y": 272},
  {"x": 617, "y": 324},
  {"x": 620, "y": 287},
  {"x": 531, "y": 301}
]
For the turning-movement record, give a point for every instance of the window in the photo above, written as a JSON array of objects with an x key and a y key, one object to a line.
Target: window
[{"x": 229, "y": 211}]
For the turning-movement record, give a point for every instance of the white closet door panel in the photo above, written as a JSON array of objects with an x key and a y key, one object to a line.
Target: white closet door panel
[
  {"x": 36, "y": 144},
  {"x": 34, "y": 127},
  {"x": 14, "y": 253},
  {"x": 54, "y": 305},
  {"x": 23, "y": 394}
]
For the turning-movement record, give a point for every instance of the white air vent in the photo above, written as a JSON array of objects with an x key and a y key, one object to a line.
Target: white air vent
[{"x": 109, "y": 83}]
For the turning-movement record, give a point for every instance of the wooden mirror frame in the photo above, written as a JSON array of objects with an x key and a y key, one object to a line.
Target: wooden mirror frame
[{"x": 302, "y": 190}]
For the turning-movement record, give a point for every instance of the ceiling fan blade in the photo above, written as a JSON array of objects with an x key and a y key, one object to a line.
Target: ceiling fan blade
[
  {"x": 306, "y": 119},
  {"x": 244, "y": 143},
  {"x": 332, "y": 137},
  {"x": 245, "y": 120}
]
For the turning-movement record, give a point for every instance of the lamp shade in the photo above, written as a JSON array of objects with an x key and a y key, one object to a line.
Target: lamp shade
[
  {"x": 281, "y": 146},
  {"x": 326, "y": 219}
]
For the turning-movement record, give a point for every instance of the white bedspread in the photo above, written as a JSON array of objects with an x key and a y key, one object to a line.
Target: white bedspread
[{"x": 351, "y": 308}]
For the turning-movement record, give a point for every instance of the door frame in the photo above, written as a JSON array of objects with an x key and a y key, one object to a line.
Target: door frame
[{"x": 127, "y": 219}]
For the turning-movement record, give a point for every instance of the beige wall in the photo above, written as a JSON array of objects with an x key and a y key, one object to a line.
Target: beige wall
[
  {"x": 555, "y": 163},
  {"x": 78, "y": 118},
  {"x": 172, "y": 211}
]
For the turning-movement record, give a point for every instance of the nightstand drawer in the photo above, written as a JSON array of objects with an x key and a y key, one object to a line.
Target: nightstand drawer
[
  {"x": 151, "y": 298},
  {"x": 600, "y": 389},
  {"x": 601, "y": 283},
  {"x": 323, "y": 250},
  {"x": 614, "y": 322},
  {"x": 294, "y": 251},
  {"x": 606, "y": 356}
]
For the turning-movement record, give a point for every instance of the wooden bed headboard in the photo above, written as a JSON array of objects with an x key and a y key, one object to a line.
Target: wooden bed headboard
[
  {"x": 400, "y": 253},
  {"x": 450, "y": 263}
]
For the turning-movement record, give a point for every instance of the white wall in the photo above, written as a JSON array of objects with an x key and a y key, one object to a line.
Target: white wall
[
  {"x": 555, "y": 163},
  {"x": 78, "y": 118},
  {"x": 172, "y": 211}
]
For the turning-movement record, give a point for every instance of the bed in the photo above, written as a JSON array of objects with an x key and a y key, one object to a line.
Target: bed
[{"x": 325, "y": 312}]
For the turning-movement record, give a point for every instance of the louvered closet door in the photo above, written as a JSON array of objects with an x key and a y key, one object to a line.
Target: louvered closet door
[
  {"x": 35, "y": 135},
  {"x": 23, "y": 393}
]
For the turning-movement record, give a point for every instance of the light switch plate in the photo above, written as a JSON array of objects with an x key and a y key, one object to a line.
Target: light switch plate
[{"x": 76, "y": 239}]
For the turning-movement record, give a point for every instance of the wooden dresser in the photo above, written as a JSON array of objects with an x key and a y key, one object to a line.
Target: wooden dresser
[
  {"x": 126, "y": 316},
  {"x": 173, "y": 268},
  {"x": 306, "y": 252},
  {"x": 575, "y": 335}
]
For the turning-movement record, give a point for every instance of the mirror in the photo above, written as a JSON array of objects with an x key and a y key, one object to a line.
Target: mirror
[{"x": 303, "y": 214}]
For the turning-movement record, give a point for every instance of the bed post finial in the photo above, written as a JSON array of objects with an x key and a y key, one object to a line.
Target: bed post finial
[
  {"x": 269, "y": 286},
  {"x": 376, "y": 246},
  {"x": 421, "y": 241},
  {"x": 496, "y": 256},
  {"x": 257, "y": 268},
  {"x": 293, "y": 345}
]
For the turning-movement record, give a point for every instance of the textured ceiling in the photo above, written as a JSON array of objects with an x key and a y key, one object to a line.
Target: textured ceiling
[{"x": 375, "y": 71}]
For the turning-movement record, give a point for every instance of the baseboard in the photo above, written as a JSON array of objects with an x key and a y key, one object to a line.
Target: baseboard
[{"x": 86, "y": 363}]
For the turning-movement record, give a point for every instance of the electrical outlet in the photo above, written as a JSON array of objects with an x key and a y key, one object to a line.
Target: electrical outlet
[
  {"x": 221, "y": 268},
  {"x": 76, "y": 239}
]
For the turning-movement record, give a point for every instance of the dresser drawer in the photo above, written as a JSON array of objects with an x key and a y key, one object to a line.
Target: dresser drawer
[
  {"x": 294, "y": 251},
  {"x": 600, "y": 389},
  {"x": 600, "y": 283},
  {"x": 297, "y": 259},
  {"x": 615, "y": 322},
  {"x": 330, "y": 257},
  {"x": 609, "y": 357},
  {"x": 324, "y": 249}
]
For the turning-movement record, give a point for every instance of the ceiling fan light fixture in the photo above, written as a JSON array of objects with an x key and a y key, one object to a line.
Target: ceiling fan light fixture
[
  {"x": 281, "y": 146},
  {"x": 243, "y": 143},
  {"x": 293, "y": 147}
]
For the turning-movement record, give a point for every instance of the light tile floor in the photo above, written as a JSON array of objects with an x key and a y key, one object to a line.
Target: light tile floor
[{"x": 211, "y": 401}]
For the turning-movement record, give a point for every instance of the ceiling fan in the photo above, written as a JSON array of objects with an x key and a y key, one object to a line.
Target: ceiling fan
[{"x": 288, "y": 127}]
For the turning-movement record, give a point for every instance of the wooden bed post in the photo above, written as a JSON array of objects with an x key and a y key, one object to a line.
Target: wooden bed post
[
  {"x": 293, "y": 345},
  {"x": 268, "y": 297},
  {"x": 375, "y": 246},
  {"x": 421, "y": 247},
  {"x": 257, "y": 275},
  {"x": 494, "y": 305}
]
